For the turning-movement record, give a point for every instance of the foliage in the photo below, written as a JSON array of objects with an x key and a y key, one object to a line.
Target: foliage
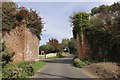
[
  {"x": 69, "y": 44},
  {"x": 101, "y": 29},
  {"x": 99, "y": 42},
  {"x": 12, "y": 16},
  {"x": 80, "y": 63},
  {"x": 33, "y": 20},
  {"x": 72, "y": 46},
  {"x": 8, "y": 16},
  {"x": 59, "y": 55},
  {"x": 6, "y": 55},
  {"x": 21, "y": 70},
  {"x": 79, "y": 21},
  {"x": 47, "y": 47},
  {"x": 52, "y": 46},
  {"x": 106, "y": 28},
  {"x": 11, "y": 71},
  {"x": 56, "y": 44},
  {"x": 17, "y": 71},
  {"x": 37, "y": 65},
  {"x": 62, "y": 55},
  {"x": 110, "y": 16},
  {"x": 64, "y": 43},
  {"x": 27, "y": 68}
]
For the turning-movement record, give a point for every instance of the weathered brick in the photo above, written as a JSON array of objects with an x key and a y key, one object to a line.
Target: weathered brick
[{"x": 24, "y": 43}]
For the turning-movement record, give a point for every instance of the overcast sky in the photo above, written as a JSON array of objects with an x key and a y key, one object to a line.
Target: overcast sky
[{"x": 56, "y": 16}]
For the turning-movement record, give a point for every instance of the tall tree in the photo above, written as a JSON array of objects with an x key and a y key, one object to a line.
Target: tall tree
[
  {"x": 72, "y": 46},
  {"x": 64, "y": 43},
  {"x": 56, "y": 44},
  {"x": 79, "y": 21},
  {"x": 109, "y": 16}
]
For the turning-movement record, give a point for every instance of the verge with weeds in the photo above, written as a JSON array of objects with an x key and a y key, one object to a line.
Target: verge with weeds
[
  {"x": 21, "y": 70},
  {"x": 80, "y": 63}
]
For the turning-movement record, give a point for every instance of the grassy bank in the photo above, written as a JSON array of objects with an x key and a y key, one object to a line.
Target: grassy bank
[
  {"x": 21, "y": 70},
  {"x": 38, "y": 65},
  {"x": 80, "y": 63}
]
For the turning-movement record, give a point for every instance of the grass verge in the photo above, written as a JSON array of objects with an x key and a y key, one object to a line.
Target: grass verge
[
  {"x": 38, "y": 65},
  {"x": 80, "y": 63},
  {"x": 21, "y": 70}
]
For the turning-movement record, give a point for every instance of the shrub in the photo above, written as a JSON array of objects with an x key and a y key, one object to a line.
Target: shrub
[
  {"x": 27, "y": 68},
  {"x": 87, "y": 62},
  {"x": 21, "y": 70},
  {"x": 11, "y": 71},
  {"x": 6, "y": 58},
  {"x": 65, "y": 54},
  {"x": 59, "y": 55},
  {"x": 6, "y": 55},
  {"x": 62, "y": 55},
  {"x": 80, "y": 63}
]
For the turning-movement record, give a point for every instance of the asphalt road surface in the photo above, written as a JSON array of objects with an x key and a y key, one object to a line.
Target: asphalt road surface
[{"x": 61, "y": 68}]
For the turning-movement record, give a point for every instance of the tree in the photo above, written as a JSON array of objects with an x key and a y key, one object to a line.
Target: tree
[
  {"x": 8, "y": 16},
  {"x": 48, "y": 48},
  {"x": 72, "y": 46},
  {"x": 109, "y": 16},
  {"x": 33, "y": 20},
  {"x": 79, "y": 21},
  {"x": 64, "y": 43},
  {"x": 51, "y": 46},
  {"x": 12, "y": 17},
  {"x": 6, "y": 55},
  {"x": 56, "y": 44}
]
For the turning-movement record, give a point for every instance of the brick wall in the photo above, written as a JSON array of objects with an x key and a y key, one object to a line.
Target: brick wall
[
  {"x": 86, "y": 48},
  {"x": 83, "y": 47},
  {"x": 24, "y": 43}
]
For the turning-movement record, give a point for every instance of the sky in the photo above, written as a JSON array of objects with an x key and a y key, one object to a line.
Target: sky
[{"x": 56, "y": 16}]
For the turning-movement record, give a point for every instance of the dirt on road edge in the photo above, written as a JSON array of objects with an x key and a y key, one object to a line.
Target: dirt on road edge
[{"x": 102, "y": 70}]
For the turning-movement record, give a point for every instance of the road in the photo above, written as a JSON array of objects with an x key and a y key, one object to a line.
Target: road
[{"x": 60, "y": 68}]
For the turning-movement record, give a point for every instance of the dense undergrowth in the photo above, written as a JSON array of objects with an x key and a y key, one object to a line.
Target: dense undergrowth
[
  {"x": 80, "y": 63},
  {"x": 21, "y": 70}
]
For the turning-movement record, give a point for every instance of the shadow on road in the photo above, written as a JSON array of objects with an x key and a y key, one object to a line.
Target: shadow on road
[
  {"x": 61, "y": 69},
  {"x": 67, "y": 60},
  {"x": 64, "y": 78},
  {"x": 62, "y": 61}
]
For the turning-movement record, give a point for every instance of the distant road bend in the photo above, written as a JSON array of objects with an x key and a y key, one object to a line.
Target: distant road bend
[{"x": 61, "y": 68}]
